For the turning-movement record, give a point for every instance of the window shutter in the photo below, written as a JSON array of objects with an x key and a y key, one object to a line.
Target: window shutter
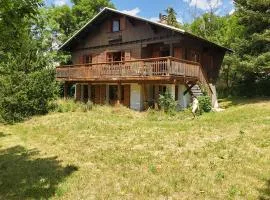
[
  {"x": 109, "y": 26},
  {"x": 81, "y": 59},
  {"x": 122, "y": 23},
  {"x": 155, "y": 54},
  {"x": 95, "y": 58},
  {"x": 109, "y": 57},
  {"x": 127, "y": 55},
  {"x": 90, "y": 58},
  {"x": 178, "y": 53},
  {"x": 102, "y": 57}
]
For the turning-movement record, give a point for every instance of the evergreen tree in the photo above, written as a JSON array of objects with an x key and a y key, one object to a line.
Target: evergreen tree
[
  {"x": 254, "y": 49},
  {"x": 246, "y": 32},
  {"x": 171, "y": 17}
]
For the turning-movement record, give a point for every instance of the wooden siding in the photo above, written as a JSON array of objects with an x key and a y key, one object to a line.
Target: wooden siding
[{"x": 136, "y": 39}]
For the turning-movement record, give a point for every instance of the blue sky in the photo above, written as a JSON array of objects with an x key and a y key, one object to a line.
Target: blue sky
[{"x": 186, "y": 9}]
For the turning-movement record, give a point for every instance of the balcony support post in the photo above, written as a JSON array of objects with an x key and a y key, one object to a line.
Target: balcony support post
[
  {"x": 119, "y": 93},
  {"x": 82, "y": 92},
  {"x": 144, "y": 96},
  {"x": 65, "y": 90},
  {"x": 89, "y": 92}
]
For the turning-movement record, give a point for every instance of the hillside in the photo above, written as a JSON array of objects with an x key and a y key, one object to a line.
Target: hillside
[{"x": 115, "y": 153}]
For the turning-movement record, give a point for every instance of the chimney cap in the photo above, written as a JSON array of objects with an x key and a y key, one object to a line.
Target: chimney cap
[{"x": 162, "y": 18}]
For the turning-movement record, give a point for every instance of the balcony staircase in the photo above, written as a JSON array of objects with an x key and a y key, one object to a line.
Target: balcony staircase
[{"x": 196, "y": 90}]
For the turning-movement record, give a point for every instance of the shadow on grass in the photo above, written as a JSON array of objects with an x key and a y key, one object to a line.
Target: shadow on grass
[
  {"x": 24, "y": 176},
  {"x": 228, "y": 102},
  {"x": 3, "y": 134},
  {"x": 265, "y": 192}
]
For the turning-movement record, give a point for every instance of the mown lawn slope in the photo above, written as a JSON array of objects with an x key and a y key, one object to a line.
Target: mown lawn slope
[{"x": 115, "y": 153}]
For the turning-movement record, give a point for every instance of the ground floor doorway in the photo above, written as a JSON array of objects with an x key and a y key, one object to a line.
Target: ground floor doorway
[{"x": 104, "y": 93}]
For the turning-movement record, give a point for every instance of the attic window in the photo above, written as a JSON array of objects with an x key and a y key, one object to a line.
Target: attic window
[{"x": 116, "y": 25}]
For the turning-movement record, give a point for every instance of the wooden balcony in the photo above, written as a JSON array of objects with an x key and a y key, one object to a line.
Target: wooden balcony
[{"x": 163, "y": 68}]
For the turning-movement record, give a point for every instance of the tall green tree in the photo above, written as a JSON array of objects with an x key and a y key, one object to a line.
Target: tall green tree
[
  {"x": 63, "y": 17},
  {"x": 246, "y": 32},
  {"x": 254, "y": 49},
  {"x": 84, "y": 10},
  {"x": 172, "y": 17},
  {"x": 27, "y": 81}
]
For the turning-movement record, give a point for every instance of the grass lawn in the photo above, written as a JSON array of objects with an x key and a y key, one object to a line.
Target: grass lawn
[{"x": 115, "y": 153}]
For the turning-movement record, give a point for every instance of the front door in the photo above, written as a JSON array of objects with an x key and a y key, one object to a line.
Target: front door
[
  {"x": 126, "y": 95},
  {"x": 99, "y": 94},
  {"x": 113, "y": 94}
]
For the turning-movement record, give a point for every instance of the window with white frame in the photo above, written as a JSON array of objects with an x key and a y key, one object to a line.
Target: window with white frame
[{"x": 115, "y": 25}]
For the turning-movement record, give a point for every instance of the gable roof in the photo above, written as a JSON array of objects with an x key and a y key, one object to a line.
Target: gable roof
[{"x": 106, "y": 9}]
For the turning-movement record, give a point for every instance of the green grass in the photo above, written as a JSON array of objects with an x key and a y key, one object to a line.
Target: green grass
[{"x": 115, "y": 153}]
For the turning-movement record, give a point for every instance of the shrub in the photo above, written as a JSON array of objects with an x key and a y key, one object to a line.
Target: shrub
[
  {"x": 23, "y": 95},
  {"x": 167, "y": 103},
  {"x": 70, "y": 105},
  {"x": 205, "y": 103},
  {"x": 88, "y": 106}
]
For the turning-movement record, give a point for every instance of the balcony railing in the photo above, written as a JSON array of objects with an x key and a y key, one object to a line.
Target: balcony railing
[{"x": 142, "y": 68}]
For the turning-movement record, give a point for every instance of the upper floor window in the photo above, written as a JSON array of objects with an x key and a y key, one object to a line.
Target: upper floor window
[
  {"x": 115, "y": 25},
  {"x": 87, "y": 59},
  {"x": 195, "y": 56}
]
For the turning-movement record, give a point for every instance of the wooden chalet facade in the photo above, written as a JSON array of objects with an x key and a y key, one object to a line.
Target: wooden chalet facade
[{"x": 120, "y": 58}]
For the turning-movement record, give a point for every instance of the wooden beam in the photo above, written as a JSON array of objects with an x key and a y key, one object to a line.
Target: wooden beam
[
  {"x": 189, "y": 88},
  {"x": 65, "y": 90},
  {"x": 82, "y": 92}
]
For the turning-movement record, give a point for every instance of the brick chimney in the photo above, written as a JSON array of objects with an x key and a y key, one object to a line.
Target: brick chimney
[{"x": 162, "y": 18}]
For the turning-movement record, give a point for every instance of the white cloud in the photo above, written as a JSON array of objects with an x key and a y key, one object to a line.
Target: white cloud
[
  {"x": 134, "y": 11},
  {"x": 232, "y": 11},
  {"x": 60, "y": 2},
  {"x": 154, "y": 19},
  {"x": 204, "y": 4},
  {"x": 180, "y": 20}
]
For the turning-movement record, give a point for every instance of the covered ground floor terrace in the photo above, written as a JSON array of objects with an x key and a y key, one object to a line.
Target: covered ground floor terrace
[{"x": 137, "y": 96}]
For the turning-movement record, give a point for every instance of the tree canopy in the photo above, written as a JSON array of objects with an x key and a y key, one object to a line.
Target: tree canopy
[
  {"x": 30, "y": 36},
  {"x": 247, "y": 33},
  {"x": 172, "y": 17}
]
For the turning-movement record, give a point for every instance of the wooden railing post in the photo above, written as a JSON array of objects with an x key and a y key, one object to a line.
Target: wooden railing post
[{"x": 168, "y": 66}]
